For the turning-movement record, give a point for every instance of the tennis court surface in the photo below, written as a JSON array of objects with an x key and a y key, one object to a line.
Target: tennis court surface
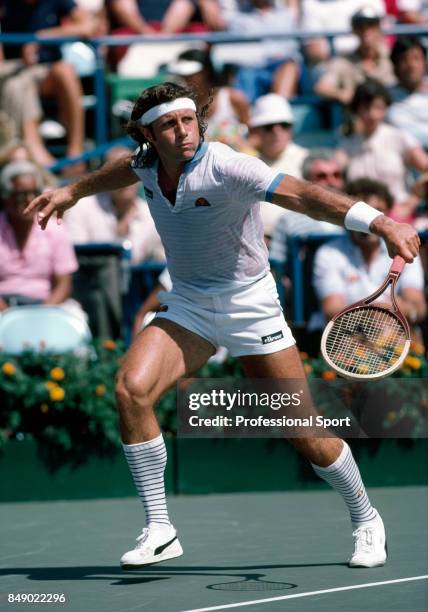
[{"x": 262, "y": 551}]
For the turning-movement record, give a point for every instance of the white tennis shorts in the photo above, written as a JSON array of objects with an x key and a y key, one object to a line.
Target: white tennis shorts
[{"x": 247, "y": 321}]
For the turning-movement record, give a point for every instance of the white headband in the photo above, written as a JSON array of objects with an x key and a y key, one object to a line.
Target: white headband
[{"x": 162, "y": 109}]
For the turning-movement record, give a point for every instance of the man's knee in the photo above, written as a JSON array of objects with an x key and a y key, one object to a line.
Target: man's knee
[
  {"x": 135, "y": 391},
  {"x": 63, "y": 72}
]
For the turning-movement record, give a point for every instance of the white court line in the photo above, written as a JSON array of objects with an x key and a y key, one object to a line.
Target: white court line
[{"x": 309, "y": 594}]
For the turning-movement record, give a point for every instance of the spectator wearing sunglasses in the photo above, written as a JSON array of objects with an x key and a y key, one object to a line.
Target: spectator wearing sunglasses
[
  {"x": 271, "y": 134},
  {"x": 323, "y": 167},
  {"x": 35, "y": 266}
]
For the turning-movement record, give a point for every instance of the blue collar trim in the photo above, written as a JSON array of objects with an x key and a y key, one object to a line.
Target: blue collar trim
[{"x": 200, "y": 152}]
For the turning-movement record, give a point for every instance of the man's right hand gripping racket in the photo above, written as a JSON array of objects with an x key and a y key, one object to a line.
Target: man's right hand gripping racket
[{"x": 368, "y": 341}]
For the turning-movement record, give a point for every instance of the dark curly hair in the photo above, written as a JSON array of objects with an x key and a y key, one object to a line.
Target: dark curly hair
[
  {"x": 152, "y": 96},
  {"x": 404, "y": 44},
  {"x": 367, "y": 92},
  {"x": 366, "y": 187}
]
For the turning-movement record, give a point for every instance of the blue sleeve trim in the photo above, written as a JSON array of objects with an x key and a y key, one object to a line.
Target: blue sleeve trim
[{"x": 272, "y": 187}]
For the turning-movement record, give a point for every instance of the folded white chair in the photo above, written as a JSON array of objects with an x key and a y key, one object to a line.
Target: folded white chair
[{"x": 38, "y": 327}]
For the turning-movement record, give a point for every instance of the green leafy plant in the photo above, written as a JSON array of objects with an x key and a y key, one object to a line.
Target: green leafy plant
[{"x": 67, "y": 403}]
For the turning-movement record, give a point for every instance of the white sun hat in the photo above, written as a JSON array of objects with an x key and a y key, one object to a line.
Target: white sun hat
[
  {"x": 183, "y": 67},
  {"x": 269, "y": 109}
]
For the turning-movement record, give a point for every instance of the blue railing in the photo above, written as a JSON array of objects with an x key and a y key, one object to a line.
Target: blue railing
[{"x": 101, "y": 110}]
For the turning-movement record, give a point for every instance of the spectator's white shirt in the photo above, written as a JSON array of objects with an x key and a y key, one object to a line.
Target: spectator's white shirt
[
  {"x": 339, "y": 268},
  {"x": 290, "y": 162},
  {"x": 335, "y": 15},
  {"x": 381, "y": 157},
  {"x": 213, "y": 234},
  {"x": 409, "y": 111},
  {"x": 93, "y": 219}
]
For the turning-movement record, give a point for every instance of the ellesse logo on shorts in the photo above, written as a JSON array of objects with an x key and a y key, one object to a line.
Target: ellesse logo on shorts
[{"x": 272, "y": 337}]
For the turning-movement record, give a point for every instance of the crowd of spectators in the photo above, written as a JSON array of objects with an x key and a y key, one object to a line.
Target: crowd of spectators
[{"x": 377, "y": 83}]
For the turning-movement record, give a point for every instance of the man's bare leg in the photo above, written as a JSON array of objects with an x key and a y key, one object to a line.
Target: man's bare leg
[
  {"x": 31, "y": 137},
  {"x": 332, "y": 460},
  {"x": 287, "y": 364},
  {"x": 158, "y": 357},
  {"x": 63, "y": 83},
  {"x": 286, "y": 79},
  {"x": 161, "y": 354}
]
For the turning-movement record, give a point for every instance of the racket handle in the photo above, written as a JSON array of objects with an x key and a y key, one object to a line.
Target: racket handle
[{"x": 398, "y": 264}]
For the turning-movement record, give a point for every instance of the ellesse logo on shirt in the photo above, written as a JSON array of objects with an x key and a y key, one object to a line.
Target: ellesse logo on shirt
[{"x": 202, "y": 202}]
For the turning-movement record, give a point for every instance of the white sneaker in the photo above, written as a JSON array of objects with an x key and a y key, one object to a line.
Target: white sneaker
[
  {"x": 156, "y": 543},
  {"x": 370, "y": 549}
]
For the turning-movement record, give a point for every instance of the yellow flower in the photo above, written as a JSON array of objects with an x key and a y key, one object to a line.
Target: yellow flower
[
  {"x": 392, "y": 416},
  {"x": 50, "y": 385},
  {"x": 109, "y": 345},
  {"x": 412, "y": 362},
  {"x": 100, "y": 390},
  {"x": 57, "y": 394},
  {"x": 57, "y": 374},
  {"x": 8, "y": 368},
  {"x": 307, "y": 368},
  {"x": 44, "y": 408},
  {"x": 329, "y": 375}
]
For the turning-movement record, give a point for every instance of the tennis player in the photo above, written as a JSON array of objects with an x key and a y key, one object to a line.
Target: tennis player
[{"x": 205, "y": 201}]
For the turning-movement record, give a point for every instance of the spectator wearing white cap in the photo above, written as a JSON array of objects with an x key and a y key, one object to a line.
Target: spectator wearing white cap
[
  {"x": 370, "y": 60},
  {"x": 271, "y": 134}
]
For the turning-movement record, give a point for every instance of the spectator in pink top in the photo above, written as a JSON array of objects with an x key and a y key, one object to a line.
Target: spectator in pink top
[{"x": 35, "y": 266}]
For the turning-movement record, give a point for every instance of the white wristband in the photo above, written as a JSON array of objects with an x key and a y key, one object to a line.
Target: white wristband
[{"x": 359, "y": 217}]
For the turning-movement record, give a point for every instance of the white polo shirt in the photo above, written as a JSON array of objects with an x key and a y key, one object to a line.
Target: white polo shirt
[{"x": 213, "y": 234}]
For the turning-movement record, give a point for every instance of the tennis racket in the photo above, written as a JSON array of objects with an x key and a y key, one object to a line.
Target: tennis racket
[{"x": 366, "y": 341}]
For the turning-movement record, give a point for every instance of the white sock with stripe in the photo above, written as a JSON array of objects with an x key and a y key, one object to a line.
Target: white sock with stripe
[
  {"x": 147, "y": 461},
  {"x": 344, "y": 476}
]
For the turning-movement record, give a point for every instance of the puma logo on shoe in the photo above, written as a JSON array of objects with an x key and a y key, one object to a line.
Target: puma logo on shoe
[{"x": 160, "y": 549}]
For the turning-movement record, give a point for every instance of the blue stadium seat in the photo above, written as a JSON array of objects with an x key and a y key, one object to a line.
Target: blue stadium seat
[{"x": 307, "y": 118}]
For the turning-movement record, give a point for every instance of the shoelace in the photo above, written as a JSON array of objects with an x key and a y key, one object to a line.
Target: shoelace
[
  {"x": 142, "y": 537},
  {"x": 363, "y": 539}
]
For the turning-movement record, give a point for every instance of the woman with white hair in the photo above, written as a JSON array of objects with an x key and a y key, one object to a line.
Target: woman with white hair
[{"x": 35, "y": 266}]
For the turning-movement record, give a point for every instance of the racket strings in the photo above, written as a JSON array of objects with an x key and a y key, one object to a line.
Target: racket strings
[{"x": 366, "y": 341}]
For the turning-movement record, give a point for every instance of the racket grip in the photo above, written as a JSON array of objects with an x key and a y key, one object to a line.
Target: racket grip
[{"x": 397, "y": 265}]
